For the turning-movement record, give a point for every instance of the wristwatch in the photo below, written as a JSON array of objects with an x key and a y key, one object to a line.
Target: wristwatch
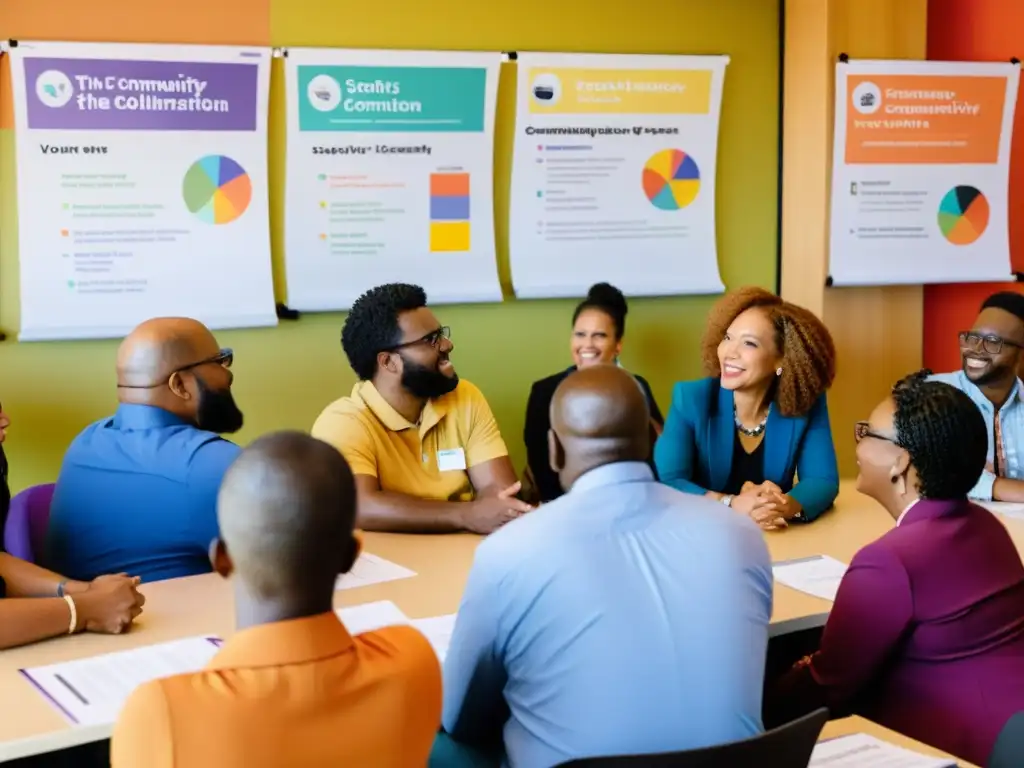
[{"x": 727, "y": 500}]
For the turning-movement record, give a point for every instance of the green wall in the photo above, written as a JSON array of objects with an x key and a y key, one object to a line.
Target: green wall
[{"x": 284, "y": 376}]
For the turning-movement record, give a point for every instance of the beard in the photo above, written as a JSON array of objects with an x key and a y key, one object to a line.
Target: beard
[
  {"x": 993, "y": 374},
  {"x": 217, "y": 411},
  {"x": 424, "y": 381}
]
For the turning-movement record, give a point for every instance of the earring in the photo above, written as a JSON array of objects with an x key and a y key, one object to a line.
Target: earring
[{"x": 778, "y": 371}]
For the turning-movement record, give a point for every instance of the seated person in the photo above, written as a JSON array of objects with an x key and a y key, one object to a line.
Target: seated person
[
  {"x": 5, "y": 488},
  {"x": 137, "y": 491},
  {"x": 741, "y": 435},
  {"x": 598, "y": 326},
  {"x": 291, "y": 687},
  {"x": 36, "y": 604},
  {"x": 926, "y": 635},
  {"x": 424, "y": 446},
  {"x": 990, "y": 354},
  {"x": 580, "y": 631}
]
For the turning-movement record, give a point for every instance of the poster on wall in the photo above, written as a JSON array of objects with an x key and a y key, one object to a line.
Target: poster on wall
[
  {"x": 390, "y": 158},
  {"x": 613, "y": 174},
  {"x": 920, "y": 172},
  {"x": 142, "y": 186}
]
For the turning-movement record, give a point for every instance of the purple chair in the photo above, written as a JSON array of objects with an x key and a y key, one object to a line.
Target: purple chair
[{"x": 27, "y": 520}]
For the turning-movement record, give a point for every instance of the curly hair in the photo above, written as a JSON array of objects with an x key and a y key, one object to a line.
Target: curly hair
[
  {"x": 608, "y": 299},
  {"x": 372, "y": 324},
  {"x": 808, "y": 353},
  {"x": 944, "y": 433}
]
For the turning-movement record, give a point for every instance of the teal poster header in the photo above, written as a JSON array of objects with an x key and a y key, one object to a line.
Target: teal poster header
[{"x": 393, "y": 99}]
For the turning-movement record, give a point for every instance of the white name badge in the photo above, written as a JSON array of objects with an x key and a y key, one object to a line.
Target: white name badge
[{"x": 450, "y": 460}]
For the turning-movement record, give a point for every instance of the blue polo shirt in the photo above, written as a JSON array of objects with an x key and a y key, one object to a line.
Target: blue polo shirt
[{"x": 137, "y": 493}]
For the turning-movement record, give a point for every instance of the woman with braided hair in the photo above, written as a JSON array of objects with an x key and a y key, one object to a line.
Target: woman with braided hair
[
  {"x": 926, "y": 635},
  {"x": 741, "y": 435}
]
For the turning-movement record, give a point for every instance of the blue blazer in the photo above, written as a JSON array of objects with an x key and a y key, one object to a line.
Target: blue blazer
[{"x": 694, "y": 452}]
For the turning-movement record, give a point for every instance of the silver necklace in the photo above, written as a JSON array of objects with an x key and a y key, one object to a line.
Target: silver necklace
[{"x": 751, "y": 431}]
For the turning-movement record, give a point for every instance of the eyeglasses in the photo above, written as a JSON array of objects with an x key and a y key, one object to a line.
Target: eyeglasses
[
  {"x": 991, "y": 344},
  {"x": 223, "y": 358},
  {"x": 863, "y": 429},
  {"x": 433, "y": 339}
]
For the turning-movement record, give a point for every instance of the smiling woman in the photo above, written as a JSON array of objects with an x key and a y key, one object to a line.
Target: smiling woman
[
  {"x": 598, "y": 328},
  {"x": 742, "y": 435}
]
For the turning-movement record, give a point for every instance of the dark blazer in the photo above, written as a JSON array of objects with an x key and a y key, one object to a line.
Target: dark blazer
[
  {"x": 694, "y": 452},
  {"x": 538, "y": 422},
  {"x": 926, "y": 635}
]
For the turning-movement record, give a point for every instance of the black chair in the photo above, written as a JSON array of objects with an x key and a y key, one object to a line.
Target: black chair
[
  {"x": 788, "y": 746},
  {"x": 1009, "y": 749}
]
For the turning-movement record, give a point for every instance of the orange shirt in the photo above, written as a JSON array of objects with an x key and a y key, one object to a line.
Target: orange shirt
[{"x": 295, "y": 693}]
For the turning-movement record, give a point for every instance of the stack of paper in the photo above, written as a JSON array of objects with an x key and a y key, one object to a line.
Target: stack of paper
[
  {"x": 438, "y": 630},
  {"x": 92, "y": 691},
  {"x": 384, "y": 613},
  {"x": 858, "y": 750},
  {"x": 1005, "y": 508},
  {"x": 370, "y": 569},
  {"x": 371, "y": 616},
  {"x": 819, "y": 575}
]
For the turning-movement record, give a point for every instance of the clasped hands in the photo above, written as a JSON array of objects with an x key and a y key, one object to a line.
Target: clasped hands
[{"x": 766, "y": 505}]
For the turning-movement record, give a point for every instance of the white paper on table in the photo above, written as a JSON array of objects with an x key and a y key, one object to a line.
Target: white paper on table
[
  {"x": 370, "y": 569},
  {"x": 859, "y": 750},
  {"x": 1005, "y": 508},
  {"x": 371, "y": 616},
  {"x": 818, "y": 575},
  {"x": 92, "y": 691},
  {"x": 438, "y": 631}
]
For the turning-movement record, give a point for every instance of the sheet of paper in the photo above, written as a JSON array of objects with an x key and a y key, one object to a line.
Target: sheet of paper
[
  {"x": 92, "y": 691},
  {"x": 370, "y": 569},
  {"x": 819, "y": 575},
  {"x": 438, "y": 630},
  {"x": 1004, "y": 508},
  {"x": 859, "y": 750},
  {"x": 371, "y": 616}
]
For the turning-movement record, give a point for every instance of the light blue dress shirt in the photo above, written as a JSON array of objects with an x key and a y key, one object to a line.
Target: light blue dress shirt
[
  {"x": 624, "y": 617},
  {"x": 138, "y": 493},
  {"x": 1011, "y": 428}
]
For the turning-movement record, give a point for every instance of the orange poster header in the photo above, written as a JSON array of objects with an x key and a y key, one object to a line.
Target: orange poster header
[{"x": 935, "y": 119}]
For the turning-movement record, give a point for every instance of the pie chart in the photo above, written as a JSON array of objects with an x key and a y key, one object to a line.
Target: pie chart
[
  {"x": 963, "y": 215},
  {"x": 217, "y": 189},
  {"x": 671, "y": 179}
]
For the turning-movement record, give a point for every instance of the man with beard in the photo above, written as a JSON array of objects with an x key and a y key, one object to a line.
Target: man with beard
[
  {"x": 137, "y": 492},
  {"x": 991, "y": 354},
  {"x": 423, "y": 445}
]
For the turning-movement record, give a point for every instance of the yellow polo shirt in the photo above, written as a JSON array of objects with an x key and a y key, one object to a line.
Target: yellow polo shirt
[{"x": 429, "y": 461}]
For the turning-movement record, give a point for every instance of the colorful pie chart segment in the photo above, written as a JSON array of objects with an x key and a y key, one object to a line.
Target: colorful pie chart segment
[
  {"x": 217, "y": 189},
  {"x": 963, "y": 215},
  {"x": 671, "y": 180}
]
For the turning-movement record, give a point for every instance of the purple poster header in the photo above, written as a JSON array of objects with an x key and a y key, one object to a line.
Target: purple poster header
[{"x": 120, "y": 95}]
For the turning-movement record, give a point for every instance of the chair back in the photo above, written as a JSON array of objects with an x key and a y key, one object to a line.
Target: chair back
[
  {"x": 788, "y": 746},
  {"x": 1009, "y": 749},
  {"x": 27, "y": 521}
]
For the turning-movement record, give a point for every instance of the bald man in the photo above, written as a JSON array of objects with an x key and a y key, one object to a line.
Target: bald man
[
  {"x": 624, "y": 617},
  {"x": 291, "y": 687},
  {"x": 137, "y": 491}
]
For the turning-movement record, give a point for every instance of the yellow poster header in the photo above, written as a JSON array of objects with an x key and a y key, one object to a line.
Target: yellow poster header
[{"x": 564, "y": 90}]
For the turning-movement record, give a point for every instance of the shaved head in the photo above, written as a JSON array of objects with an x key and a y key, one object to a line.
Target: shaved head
[
  {"x": 159, "y": 347},
  {"x": 287, "y": 509},
  {"x": 175, "y": 363},
  {"x": 599, "y": 415}
]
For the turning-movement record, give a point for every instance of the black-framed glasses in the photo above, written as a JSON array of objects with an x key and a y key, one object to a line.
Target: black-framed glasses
[
  {"x": 432, "y": 339},
  {"x": 223, "y": 358},
  {"x": 992, "y": 344},
  {"x": 863, "y": 429}
]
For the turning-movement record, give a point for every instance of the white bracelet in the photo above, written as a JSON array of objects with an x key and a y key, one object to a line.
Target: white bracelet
[{"x": 74, "y": 614}]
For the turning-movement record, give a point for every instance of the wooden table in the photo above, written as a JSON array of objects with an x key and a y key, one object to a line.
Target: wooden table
[
  {"x": 849, "y": 725},
  {"x": 204, "y": 605}
]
